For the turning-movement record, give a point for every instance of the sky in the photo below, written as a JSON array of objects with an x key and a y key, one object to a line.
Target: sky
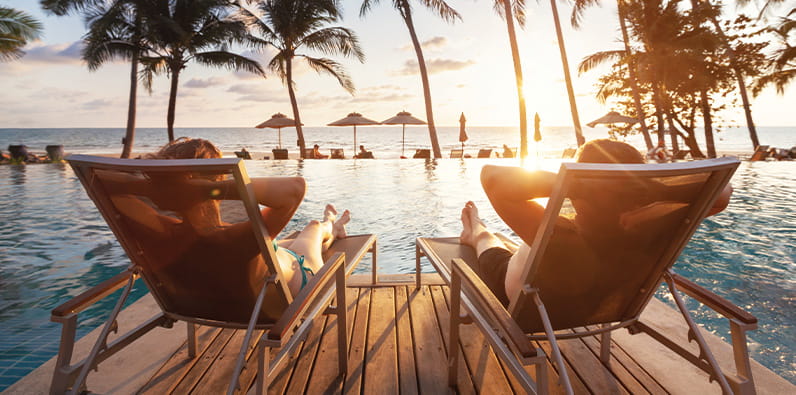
[{"x": 469, "y": 62}]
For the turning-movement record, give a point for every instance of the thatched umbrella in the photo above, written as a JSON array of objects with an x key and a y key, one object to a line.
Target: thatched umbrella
[
  {"x": 277, "y": 121},
  {"x": 354, "y": 119},
  {"x": 404, "y": 118},
  {"x": 462, "y": 133},
  {"x": 612, "y": 117}
]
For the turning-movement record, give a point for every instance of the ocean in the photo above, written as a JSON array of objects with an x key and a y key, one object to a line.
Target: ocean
[{"x": 384, "y": 141}]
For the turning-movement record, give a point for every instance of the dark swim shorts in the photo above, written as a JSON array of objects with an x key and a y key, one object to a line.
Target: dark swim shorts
[{"x": 492, "y": 266}]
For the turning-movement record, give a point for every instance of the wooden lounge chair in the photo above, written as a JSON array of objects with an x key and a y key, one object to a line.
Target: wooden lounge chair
[
  {"x": 422, "y": 153},
  {"x": 337, "y": 153},
  {"x": 568, "y": 153},
  {"x": 142, "y": 202},
  {"x": 485, "y": 153},
  {"x": 243, "y": 154},
  {"x": 761, "y": 153},
  {"x": 280, "y": 153},
  {"x": 457, "y": 153},
  {"x": 680, "y": 195}
]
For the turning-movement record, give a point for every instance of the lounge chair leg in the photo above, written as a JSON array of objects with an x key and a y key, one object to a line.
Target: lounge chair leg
[
  {"x": 743, "y": 368},
  {"x": 191, "y": 339},
  {"x": 695, "y": 334},
  {"x": 453, "y": 346},
  {"x": 263, "y": 355},
  {"x": 61, "y": 376},
  {"x": 551, "y": 337},
  {"x": 542, "y": 383},
  {"x": 342, "y": 323},
  {"x": 418, "y": 254},
  {"x": 374, "y": 263},
  {"x": 605, "y": 347}
]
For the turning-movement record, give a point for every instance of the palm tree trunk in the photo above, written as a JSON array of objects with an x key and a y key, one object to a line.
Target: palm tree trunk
[
  {"x": 672, "y": 133},
  {"x": 127, "y": 143},
  {"x": 175, "y": 81},
  {"x": 747, "y": 109},
  {"x": 708, "y": 119},
  {"x": 515, "y": 55},
  {"x": 421, "y": 62},
  {"x": 573, "y": 106},
  {"x": 656, "y": 98},
  {"x": 294, "y": 104},
  {"x": 631, "y": 69}
]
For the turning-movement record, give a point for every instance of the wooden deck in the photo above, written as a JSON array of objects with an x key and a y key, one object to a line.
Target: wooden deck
[{"x": 397, "y": 344}]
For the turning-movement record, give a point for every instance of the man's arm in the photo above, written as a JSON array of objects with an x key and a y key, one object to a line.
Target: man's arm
[
  {"x": 511, "y": 190},
  {"x": 722, "y": 201}
]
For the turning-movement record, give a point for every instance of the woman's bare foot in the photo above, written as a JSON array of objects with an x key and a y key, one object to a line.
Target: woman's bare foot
[
  {"x": 329, "y": 213},
  {"x": 338, "y": 227}
]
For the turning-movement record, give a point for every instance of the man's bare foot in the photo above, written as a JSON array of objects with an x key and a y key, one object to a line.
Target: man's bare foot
[
  {"x": 467, "y": 237},
  {"x": 338, "y": 227}
]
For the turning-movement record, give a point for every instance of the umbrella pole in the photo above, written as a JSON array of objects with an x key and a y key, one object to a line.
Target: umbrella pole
[
  {"x": 280, "y": 138},
  {"x": 403, "y": 140},
  {"x": 355, "y": 138}
]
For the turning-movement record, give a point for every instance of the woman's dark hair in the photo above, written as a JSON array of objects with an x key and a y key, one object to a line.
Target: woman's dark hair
[
  {"x": 608, "y": 151},
  {"x": 187, "y": 148}
]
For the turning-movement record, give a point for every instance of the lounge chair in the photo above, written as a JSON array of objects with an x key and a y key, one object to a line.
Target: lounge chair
[
  {"x": 681, "y": 154},
  {"x": 243, "y": 154},
  {"x": 457, "y": 153},
  {"x": 485, "y": 153},
  {"x": 761, "y": 153},
  {"x": 546, "y": 309},
  {"x": 337, "y": 153},
  {"x": 141, "y": 202},
  {"x": 423, "y": 153},
  {"x": 280, "y": 153},
  {"x": 365, "y": 155},
  {"x": 568, "y": 153}
]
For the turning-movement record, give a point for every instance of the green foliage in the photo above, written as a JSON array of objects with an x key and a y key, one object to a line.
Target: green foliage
[{"x": 17, "y": 28}]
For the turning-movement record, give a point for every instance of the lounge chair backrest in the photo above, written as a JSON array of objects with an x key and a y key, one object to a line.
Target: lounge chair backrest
[
  {"x": 647, "y": 214},
  {"x": 337, "y": 153},
  {"x": 485, "y": 153},
  {"x": 761, "y": 153},
  {"x": 280, "y": 153},
  {"x": 193, "y": 230},
  {"x": 457, "y": 153}
]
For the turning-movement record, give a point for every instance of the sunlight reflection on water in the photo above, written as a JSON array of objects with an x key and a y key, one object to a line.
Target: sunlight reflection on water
[{"x": 54, "y": 244}]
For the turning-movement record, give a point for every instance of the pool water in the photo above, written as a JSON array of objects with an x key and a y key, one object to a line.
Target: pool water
[{"x": 54, "y": 244}]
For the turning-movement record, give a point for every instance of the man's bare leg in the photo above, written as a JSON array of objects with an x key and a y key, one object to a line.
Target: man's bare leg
[{"x": 475, "y": 233}]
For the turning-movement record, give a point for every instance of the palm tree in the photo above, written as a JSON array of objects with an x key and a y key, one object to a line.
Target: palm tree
[
  {"x": 182, "y": 31},
  {"x": 444, "y": 11},
  {"x": 287, "y": 26},
  {"x": 509, "y": 12},
  {"x": 573, "y": 106},
  {"x": 116, "y": 31},
  {"x": 16, "y": 29},
  {"x": 783, "y": 60}
]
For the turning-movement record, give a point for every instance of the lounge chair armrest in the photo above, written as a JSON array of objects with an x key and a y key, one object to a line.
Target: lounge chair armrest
[
  {"x": 92, "y": 295},
  {"x": 305, "y": 299},
  {"x": 710, "y": 299},
  {"x": 485, "y": 300}
]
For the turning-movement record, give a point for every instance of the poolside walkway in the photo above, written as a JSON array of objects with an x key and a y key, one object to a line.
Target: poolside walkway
[{"x": 397, "y": 344}]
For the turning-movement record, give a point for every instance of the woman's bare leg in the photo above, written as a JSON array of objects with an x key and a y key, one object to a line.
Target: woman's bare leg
[
  {"x": 317, "y": 236},
  {"x": 475, "y": 233}
]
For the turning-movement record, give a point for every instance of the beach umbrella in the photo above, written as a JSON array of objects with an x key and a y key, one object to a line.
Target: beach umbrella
[
  {"x": 403, "y": 118},
  {"x": 277, "y": 121},
  {"x": 612, "y": 117},
  {"x": 462, "y": 133},
  {"x": 537, "y": 133},
  {"x": 353, "y": 119}
]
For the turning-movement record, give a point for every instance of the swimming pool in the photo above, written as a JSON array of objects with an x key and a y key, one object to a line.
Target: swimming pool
[{"x": 54, "y": 244}]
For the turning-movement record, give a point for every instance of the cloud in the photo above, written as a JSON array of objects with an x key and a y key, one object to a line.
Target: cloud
[
  {"x": 98, "y": 104},
  {"x": 204, "y": 83},
  {"x": 392, "y": 97},
  {"x": 434, "y": 66},
  {"x": 55, "y": 53},
  {"x": 430, "y": 44}
]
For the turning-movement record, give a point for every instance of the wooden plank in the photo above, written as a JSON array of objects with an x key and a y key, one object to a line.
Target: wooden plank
[
  {"x": 381, "y": 358},
  {"x": 429, "y": 348},
  {"x": 306, "y": 357},
  {"x": 175, "y": 369},
  {"x": 633, "y": 376},
  {"x": 588, "y": 367},
  {"x": 204, "y": 362},
  {"x": 217, "y": 379},
  {"x": 578, "y": 386},
  {"x": 405, "y": 342},
  {"x": 476, "y": 369},
  {"x": 393, "y": 280},
  {"x": 356, "y": 353},
  {"x": 326, "y": 377}
]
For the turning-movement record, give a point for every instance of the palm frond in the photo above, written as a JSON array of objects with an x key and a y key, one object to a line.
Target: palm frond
[
  {"x": 230, "y": 61},
  {"x": 329, "y": 66},
  {"x": 366, "y": 6},
  {"x": 442, "y": 9},
  {"x": 63, "y": 7},
  {"x": 578, "y": 8},
  {"x": 152, "y": 65},
  {"x": 333, "y": 40},
  {"x": 598, "y": 58},
  {"x": 780, "y": 79}
]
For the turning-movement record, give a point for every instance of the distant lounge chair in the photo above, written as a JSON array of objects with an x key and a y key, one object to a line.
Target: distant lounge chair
[
  {"x": 457, "y": 153},
  {"x": 680, "y": 155},
  {"x": 761, "y": 153},
  {"x": 365, "y": 155},
  {"x": 280, "y": 153},
  {"x": 141, "y": 204},
  {"x": 616, "y": 293},
  {"x": 243, "y": 154},
  {"x": 422, "y": 154},
  {"x": 568, "y": 153},
  {"x": 337, "y": 153},
  {"x": 485, "y": 153},
  {"x": 509, "y": 152}
]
